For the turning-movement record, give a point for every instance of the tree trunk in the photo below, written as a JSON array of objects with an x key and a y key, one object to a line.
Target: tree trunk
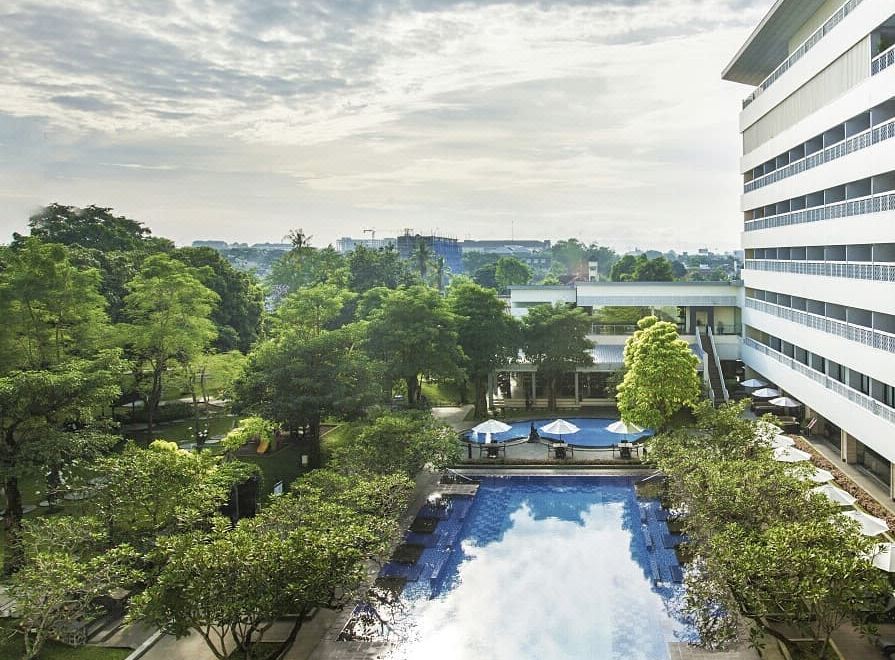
[
  {"x": 12, "y": 525},
  {"x": 313, "y": 437},
  {"x": 413, "y": 391},
  {"x": 290, "y": 638},
  {"x": 551, "y": 392},
  {"x": 481, "y": 403}
]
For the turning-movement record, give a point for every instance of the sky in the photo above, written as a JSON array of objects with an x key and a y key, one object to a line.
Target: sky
[{"x": 604, "y": 120}]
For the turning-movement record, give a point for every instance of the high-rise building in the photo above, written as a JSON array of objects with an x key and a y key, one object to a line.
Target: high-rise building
[
  {"x": 818, "y": 200},
  {"x": 441, "y": 246}
]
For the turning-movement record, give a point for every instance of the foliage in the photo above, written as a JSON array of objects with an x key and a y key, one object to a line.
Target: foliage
[
  {"x": 486, "y": 275},
  {"x": 605, "y": 258},
  {"x": 369, "y": 269},
  {"x": 92, "y": 227},
  {"x": 305, "y": 266},
  {"x": 169, "y": 311},
  {"x": 403, "y": 442},
  {"x": 612, "y": 315},
  {"x": 570, "y": 255},
  {"x": 238, "y": 316},
  {"x": 642, "y": 269},
  {"x": 248, "y": 430},
  {"x": 510, "y": 272},
  {"x": 765, "y": 547},
  {"x": 488, "y": 336},
  {"x": 412, "y": 333},
  {"x": 554, "y": 338},
  {"x": 307, "y": 549},
  {"x": 311, "y": 310},
  {"x": 661, "y": 376},
  {"x": 67, "y": 569},
  {"x": 296, "y": 381}
]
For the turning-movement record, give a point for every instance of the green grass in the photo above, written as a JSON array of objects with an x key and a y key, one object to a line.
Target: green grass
[
  {"x": 12, "y": 646},
  {"x": 444, "y": 394},
  {"x": 284, "y": 465}
]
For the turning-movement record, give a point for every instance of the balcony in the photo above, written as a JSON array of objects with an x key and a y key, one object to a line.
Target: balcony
[
  {"x": 859, "y": 206},
  {"x": 805, "y": 46},
  {"x": 865, "y": 401},
  {"x": 884, "y": 341},
  {"x": 882, "y": 61},
  {"x": 854, "y": 271},
  {"x": 855, "y": 143}
]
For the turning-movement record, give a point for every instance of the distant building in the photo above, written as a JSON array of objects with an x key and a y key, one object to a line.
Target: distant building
[
  {"x": 214, "y": 245},
  {"x": 346, "y": 244},
  {"x": 593, "y": 271},
  {"x": 441, "y": 246},
  {"x": 494, "y": 246}
]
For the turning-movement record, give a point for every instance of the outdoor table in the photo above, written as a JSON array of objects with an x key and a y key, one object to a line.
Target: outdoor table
[{"x": 624, "y": 449}]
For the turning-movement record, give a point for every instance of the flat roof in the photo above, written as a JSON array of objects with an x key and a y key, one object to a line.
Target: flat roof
[{"x": 768, "y": 45}]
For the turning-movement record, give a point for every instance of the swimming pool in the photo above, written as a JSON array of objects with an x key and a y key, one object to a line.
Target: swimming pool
[
  {"x": 544, "y": 568},
  {"x": 593, "y": 432}
]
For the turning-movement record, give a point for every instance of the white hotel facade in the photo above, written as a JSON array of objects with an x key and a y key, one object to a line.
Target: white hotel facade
[{"x": 816, "y": 309}]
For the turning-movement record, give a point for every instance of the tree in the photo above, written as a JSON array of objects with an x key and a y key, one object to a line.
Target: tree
[
  {"x": 93, "y": 227},
  {"x": 488, "y": 336},
  {"x": 170, "y": 321},
  {"x": 296, "y": 381},
  {"x": 486, "y": 276},
  {"x": 67, "y": 570},
  {"x": 604, "y": 256},
  {"x": 405, "y": 443},
  {"x": 369, "y": 269},
  {"x": 422, "y": 256},
  {"x": 653, "y": 270},
  {"x": 678, "y": 270},
  {"x": 661, "y": 376},
  {"x": 571, "y": 255},
  {"x": 414, "y": 333},
  {"x": 305, "y": 266},
  {"x": 623, "y": 269},
  {"x": 311, "y": 310},
  {"x": 308, "y": 549},
  {"x": 554, "y": 338},
  {"x": 56, "y": 372},
  {"x": 510, "y": 271},
  {"x": 238, "y": 315}
]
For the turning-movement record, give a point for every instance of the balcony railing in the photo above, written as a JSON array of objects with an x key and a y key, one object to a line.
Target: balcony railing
[
  {"x": 873, "y": 272},
  {"x": 805, "y": 46},
  {"x": 865, "y": 401},
  {"x": 860, "y": 206},
  {"x": 622, "y": 329},
  {"x": 869, "y": 337},
  {"x": 882, "y": 61},
  {"x": 855, "y": 143}
]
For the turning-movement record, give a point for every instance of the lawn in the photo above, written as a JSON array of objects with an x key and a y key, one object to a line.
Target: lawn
[
  {"x": 444, "y": 393},
  {"x": 11, "y": 646},
  {"x": 284, "y": 465}
]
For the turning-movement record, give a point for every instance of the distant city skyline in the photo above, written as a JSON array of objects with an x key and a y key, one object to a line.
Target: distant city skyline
[{"x": 601, "y": 120}]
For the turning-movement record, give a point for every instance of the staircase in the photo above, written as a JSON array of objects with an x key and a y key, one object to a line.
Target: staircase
[{"x": 712, "y": 365}]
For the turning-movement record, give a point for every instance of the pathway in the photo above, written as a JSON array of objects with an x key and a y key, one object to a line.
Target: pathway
[{"x": 453, "y": 415}]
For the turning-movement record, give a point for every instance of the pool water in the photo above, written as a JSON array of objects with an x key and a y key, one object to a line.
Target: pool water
[
  {"x": 593, "y": 432},
  {"x": 544, "y": 568}
]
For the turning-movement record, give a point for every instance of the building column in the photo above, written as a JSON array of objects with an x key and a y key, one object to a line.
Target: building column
[
  {"x": 577, "y": 395},
  {"x": 849, "y": 448},
  {"x": 892, "y": 480},
  {"x": 534, "y": 391}
]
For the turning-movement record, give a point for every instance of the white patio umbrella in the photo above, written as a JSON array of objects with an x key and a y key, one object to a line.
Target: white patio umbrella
[
  {"x": 885, "y": 557},
  {"x": 870, "y": 525},
  {"x": 491, "y": 426},
  {"x": 624, "y": 428},
  {"x": 835, "y": 494},
  {"x": 790, "y": 455},
  {"x": 766, "y": 428},
  {"x": 766, "y": 393},
  {"x": 753, "y": 382},
  {"x": 560, "y": 427},
  {"x": 820, "y": 476},
  {"x": 785, "y": 402},
  {"x": 782, "y": 441}
]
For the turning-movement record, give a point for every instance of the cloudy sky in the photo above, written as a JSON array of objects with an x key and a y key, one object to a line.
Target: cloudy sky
[{"x": 602, "y": 119}]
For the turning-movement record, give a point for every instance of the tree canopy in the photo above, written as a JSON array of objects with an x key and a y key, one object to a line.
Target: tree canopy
[{"x": 511, "y": 272}]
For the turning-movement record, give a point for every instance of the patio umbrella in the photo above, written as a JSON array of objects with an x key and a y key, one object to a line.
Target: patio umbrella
[
  {"x": 885, "y": 557},
  {"x": 835, "y": 494},
  {"x": 491, "y": 426},
  {"x": 782, "y": 441},
  {"x": 870, "y": 525},
  {"x": 820, "y": 476},
  {"x": 785, "y": 402},
  {"x": 624, "y": 428},
  {"x": 790, "y": 455},
  {"x": 766, "y": 393},
  {"x": 753, "y": 382},
  {"x": 560, "y": 427},
  {"x": 766, "y": 428}
]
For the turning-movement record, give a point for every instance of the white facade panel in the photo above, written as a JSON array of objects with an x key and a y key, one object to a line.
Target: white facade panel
[
  {"x": 867, "y": 228},
  {"x": 863, "y": 294},
  {"x": 866, "y": 359},
  {"x": 870, "y": 429}
]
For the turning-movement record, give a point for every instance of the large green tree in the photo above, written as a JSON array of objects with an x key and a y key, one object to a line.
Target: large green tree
[
  {"x": 57, "y": 373},
  {"x": 369, "y": 269},
  {"x": 488, "y": 335},
  {"x": 660, "y": 376},
  {"x": 169, "y": 311},
  {"x": 554, "y": 337},
  {"x": 414, "y": 333},
  {"x": 238, "y": 315},
  {"x": 297, "y": 380},
  {"x": 511, "y": 271}
]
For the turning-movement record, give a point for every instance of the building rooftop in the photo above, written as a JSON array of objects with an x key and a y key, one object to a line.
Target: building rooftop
[{"x": 768, "y": 45}]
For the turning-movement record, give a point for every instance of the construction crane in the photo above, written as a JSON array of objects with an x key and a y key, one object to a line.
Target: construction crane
[{"x": 371, "y": 232}]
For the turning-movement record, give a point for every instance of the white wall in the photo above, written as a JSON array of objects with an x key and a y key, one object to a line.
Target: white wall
[{"x": 863, "y": 294}]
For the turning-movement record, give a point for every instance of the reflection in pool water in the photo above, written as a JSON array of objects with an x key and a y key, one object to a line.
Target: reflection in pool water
[
  {"x": 593, "y": 432},
  {"x": 546, "y": 568}
]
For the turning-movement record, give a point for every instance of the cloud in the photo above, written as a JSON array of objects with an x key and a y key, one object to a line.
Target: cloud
[{"x": 462, "y": 110}]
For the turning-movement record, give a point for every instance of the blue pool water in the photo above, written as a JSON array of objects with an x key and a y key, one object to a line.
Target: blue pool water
[
  {"x": 593, "y": 432},
  {"x": 543, "y": 568}
]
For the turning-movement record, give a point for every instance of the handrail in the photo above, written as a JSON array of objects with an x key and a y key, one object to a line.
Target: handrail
[
  {"x": 802, "y": 48},
  {"x": 877, "y": 272},
  {"x": 457, "y": 474},
  {"x": 707, "y": 381},
  {"x": 711, "y": 337},
  {"x": 874, "y": 203},
  {"x": 882, "y": 61}
]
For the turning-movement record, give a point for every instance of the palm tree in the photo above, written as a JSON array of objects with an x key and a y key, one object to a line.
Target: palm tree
[{"x": 423, "y": 254}]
